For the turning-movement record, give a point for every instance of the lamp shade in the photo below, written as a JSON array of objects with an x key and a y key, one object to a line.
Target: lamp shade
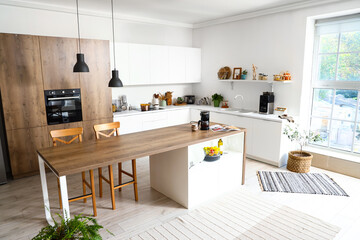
[
  {"x": 80, "y": 65},
  {"x": 115, "y": 80}
]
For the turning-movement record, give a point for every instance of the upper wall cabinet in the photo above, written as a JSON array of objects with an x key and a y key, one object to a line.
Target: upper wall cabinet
[
  {"x": 58, "y": 57},
  {"x": 193, "y": 65},
  {"x": 21, "y": 81},
  {"x": 141, "y": 64},
  {"x": 177, "y": 65},
  {"x": 159, "y": 64}
]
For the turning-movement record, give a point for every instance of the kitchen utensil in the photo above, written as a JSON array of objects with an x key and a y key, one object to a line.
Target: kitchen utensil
[{"x": 144, "y": 107}]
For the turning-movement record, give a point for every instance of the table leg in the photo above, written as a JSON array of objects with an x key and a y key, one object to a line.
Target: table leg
[
  {"x": 45, "y": 191},
  {"x": 64, "y": 197},
  {"x": 244, "y": 160}
]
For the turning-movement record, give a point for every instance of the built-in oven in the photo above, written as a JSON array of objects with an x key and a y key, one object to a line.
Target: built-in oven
[{"x": 63, "y": 106}]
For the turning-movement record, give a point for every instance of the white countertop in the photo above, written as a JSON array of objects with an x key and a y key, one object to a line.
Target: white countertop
[{"x": 268, "y": 117}]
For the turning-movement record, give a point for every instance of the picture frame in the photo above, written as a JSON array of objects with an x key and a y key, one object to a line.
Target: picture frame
[{"x": 237, "y": 73}]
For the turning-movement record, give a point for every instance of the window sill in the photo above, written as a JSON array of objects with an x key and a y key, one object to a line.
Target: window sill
[{"x": 352, "y": 157}]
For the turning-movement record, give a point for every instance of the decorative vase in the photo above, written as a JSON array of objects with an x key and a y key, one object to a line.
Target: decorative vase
[
  {"x": 299, "y": 162},
  {"x": 243, "y": 76},
  {"x": 216, "y": 103},
  {"x": 163, "y": 103}
]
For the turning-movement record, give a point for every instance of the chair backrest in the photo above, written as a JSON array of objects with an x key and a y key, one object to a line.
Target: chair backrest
[
  {"x": 76, "y": 132},
  {"x": 114, "y": 126}
]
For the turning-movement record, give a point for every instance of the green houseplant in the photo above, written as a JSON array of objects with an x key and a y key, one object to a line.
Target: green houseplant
[
  {"x": 300, "y": 161},
  {"x": 217, "y": 98},
  {"x": 244, "y": 74},
  {"x": 79, "y": 227}
]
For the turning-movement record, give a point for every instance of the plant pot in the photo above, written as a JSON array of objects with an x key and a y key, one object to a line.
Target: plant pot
[
  {"x": 243, "y": 76},
  {"x": 216, "y": 103},
  {"x": 299, "y": 162}
]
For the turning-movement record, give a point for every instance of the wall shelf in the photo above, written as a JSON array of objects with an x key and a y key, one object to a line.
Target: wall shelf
[{"x": 231, "y": 81}]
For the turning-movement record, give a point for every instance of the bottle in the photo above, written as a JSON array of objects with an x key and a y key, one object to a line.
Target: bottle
[{"x": 221, "y": 146}]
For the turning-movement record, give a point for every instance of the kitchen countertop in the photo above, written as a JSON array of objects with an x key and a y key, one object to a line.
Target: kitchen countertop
[{"x": 268, "y": 117}]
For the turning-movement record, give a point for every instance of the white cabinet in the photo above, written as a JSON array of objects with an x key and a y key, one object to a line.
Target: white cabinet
[
  {"x": 177, "y": 64},
  {"x": 154, "y": 120},
  {"x": 195, "y": 114},
  {"x": 139, "y": 64},
  {"x": 193, "y": 65},
  {"x": 129, "y": 124},
  {"x": 159, "y": 64},
  {"x": 177, "y": 117},
  {"x": 142, "y": 64}
]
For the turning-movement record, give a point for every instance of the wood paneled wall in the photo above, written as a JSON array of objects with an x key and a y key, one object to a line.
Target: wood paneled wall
[{"x": 31, "y": 64}]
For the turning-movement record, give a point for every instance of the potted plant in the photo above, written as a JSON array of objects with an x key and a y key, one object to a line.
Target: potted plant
[
  {"x": 300, "y": 161},
  {"x": 217, "y": 98},
  {"x": 80, "y": 227},
  {"x": 244, "y": 74}
]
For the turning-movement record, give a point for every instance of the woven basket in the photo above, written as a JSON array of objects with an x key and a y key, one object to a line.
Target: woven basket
[{"x": 299, "y": 164}]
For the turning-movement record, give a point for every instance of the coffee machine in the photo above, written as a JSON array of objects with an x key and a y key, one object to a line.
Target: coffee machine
[
  {"x": 204, "y": 122},
  {"x": 267, "y": 103}
]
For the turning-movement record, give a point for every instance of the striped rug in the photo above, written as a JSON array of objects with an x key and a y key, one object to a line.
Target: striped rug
[
  {"x": 242, "y": 215},
  {"x": 311, "y": 183}
]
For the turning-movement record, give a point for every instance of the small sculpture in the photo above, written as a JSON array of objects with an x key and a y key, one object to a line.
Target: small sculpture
[{"x": 254, "y": 71}]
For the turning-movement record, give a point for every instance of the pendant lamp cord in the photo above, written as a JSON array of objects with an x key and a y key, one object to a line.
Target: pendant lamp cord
[
  {"x": 78, "y": 23},
  {"x": 112, "y": 16}
]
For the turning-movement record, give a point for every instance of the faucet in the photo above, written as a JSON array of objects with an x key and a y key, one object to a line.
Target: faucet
[{"x": 239, "y": 96}]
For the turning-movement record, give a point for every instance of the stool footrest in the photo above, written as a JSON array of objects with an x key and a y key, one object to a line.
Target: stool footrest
[
  {"x": 80, "y": 197},
  {"x": 124, "y": 184}
]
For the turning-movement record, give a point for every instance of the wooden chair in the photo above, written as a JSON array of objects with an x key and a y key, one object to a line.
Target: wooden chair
[
  {"x": 114, "y": 126},
  {"x": 77, "y": 133}
]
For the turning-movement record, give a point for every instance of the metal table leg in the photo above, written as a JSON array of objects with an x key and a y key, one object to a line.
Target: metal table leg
[{"x": 63, "y": 189}]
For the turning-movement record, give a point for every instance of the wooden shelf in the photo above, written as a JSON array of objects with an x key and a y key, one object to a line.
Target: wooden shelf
[{"x": 254, "y": 81}]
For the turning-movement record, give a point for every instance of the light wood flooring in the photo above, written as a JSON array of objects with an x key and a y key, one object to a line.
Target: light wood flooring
[{"x": 22, "y": 212}]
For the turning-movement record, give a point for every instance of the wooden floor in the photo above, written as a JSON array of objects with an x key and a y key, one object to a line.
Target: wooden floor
[{"x": 22, "y": 213}]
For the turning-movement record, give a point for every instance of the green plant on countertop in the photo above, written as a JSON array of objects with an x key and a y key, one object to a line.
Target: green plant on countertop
[
  {"x": 301, "y": 136},
  {"x": 217, "y": 98},
  {"x": 80, "y": 227},
  {"x": 179, "y": 100},
  {"x": 243, "y": 74}
]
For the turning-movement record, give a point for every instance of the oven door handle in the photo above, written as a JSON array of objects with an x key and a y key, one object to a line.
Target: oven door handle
[{"x": 63, "y": 98}]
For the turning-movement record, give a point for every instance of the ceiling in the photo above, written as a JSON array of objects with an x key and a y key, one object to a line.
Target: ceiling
[{"x": 181, "y": 11}]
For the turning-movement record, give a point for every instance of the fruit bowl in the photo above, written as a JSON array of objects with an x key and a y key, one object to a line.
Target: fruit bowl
[{"x": 212, "y": 154}]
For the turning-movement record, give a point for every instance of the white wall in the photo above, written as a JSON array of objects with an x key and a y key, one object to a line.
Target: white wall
[
  {"x": 61, "y": 24},
  {"x": 274, "y": 43}
]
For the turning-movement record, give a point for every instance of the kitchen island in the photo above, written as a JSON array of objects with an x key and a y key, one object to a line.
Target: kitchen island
[{"x": 75, "y": 158}]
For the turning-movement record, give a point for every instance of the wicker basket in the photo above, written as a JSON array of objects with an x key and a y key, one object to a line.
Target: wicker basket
[{"x": 299, "y": 164}]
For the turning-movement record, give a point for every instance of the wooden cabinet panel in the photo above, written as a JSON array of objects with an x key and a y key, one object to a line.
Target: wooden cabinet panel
[
  {"x": 21, "y": 81},
  {"x": 23, "y": 144},
  {"x": 95, "y": 93},
  {"x": 58, "y": 57},
  {"x": 89, "y": 134}
]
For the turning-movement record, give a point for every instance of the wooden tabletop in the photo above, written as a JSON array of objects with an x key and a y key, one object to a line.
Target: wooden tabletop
[{"x": 78, "y": 157}]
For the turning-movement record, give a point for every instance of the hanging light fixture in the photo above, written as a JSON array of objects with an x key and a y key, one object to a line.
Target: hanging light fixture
[
  {"x": 115, "y": 80},
  {"x": 80, "y": 65}
]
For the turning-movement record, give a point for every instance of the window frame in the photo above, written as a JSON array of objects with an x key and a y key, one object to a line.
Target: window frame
[{"x": 334, "y": 85}]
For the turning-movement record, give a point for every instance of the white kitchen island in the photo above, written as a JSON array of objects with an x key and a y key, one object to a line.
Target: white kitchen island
[{"x": 183, "y": 176}]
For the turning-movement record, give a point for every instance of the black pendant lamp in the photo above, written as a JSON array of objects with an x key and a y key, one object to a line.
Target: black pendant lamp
[
  {"x": 80, "y": 65},
  {"x": 115, "y": 80}
]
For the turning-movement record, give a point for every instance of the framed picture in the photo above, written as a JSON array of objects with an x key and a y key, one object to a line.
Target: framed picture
[{"x": 237, "y": 73}]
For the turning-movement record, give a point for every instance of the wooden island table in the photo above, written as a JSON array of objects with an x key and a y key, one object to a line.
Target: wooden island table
[{"x": 176, "y": 166}]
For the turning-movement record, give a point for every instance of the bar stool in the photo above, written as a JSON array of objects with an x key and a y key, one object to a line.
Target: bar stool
[
  {"x": 77, "y": 133},
  {"x": 114, "y": 126}
]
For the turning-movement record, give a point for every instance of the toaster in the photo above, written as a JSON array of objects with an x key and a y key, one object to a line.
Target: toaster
[{"x": 189, "y": 99}]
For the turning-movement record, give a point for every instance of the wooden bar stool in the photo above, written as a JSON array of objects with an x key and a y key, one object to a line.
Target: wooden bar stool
[
  {"x": 114, "y": 126},
  {"x": 77, "y": 133}
]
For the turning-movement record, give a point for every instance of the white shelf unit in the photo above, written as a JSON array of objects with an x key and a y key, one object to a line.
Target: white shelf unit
[{"x": 231, "y": 81}]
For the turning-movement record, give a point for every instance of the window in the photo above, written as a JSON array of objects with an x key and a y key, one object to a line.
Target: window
[{"x": 335, "y": 111}]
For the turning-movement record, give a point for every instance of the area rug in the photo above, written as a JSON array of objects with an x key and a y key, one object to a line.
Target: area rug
[
  {"x": 241, "y": 215},
  {"x": 311, "y": 183}
]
